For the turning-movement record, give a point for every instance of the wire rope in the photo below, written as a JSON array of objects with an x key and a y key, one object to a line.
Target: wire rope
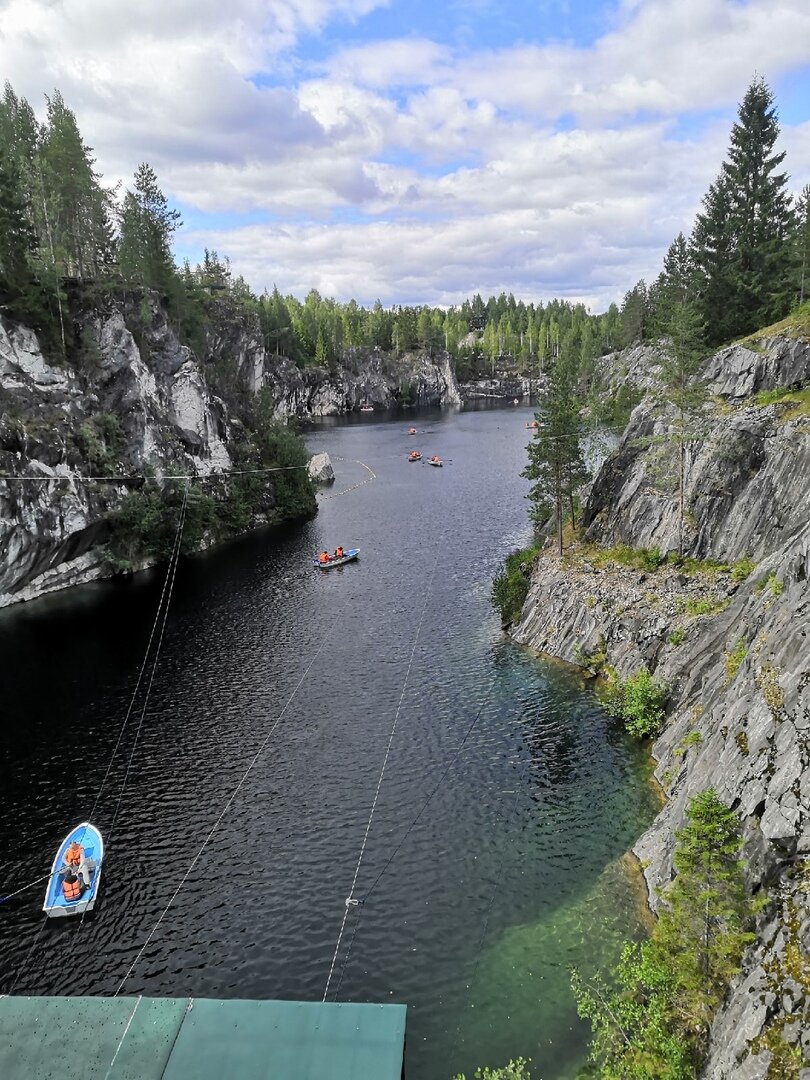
[
  {"x": 350, "y": 901},
  {"x": 414, "y": 821},
  {"x": 123, "y": 1036},
  {"x": 132, "y": 477},
  {"x": 171, "y": 578},
  {"x": 225, "y": 809},
  {"x": 167, "y": 584}
]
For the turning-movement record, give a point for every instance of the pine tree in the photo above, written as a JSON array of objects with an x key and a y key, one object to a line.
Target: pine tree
[
  {"x": 75, "y": 205},
  {"x": 651, "y": 1020},
  {"x": 674, "y": 285}
]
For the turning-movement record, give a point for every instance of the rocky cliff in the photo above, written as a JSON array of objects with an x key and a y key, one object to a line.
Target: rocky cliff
[
  {"x": 727, "y": 631},
  {"x": 133, "y": 399}
]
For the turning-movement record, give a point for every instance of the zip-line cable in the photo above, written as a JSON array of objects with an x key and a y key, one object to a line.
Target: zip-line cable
[
  {"x": 132, "y": 477},
  {"x": 432, "y": 792},
  {"x": 411, "y": 827},
  {"x": 225, "y": 809},
  {"x": 170, "y": 577},
  {"x": 167, "y": 585},
  {"x": 351, "y": 901}
]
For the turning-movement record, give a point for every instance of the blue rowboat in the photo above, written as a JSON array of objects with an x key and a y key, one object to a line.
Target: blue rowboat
[
  {"x": 348, "y": 556},
  {"x": 89, "y": 839}
]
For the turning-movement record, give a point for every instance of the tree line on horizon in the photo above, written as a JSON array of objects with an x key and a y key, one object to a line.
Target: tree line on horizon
[{"x": 60, "y": 227}]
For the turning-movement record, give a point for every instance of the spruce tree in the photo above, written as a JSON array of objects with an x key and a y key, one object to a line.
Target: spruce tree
[
  {"x": 704, "y": 921},
  {"x": 556, "y": 463},
  {"x": 803, "y": 242},
  {"x": 147, "y": 224},
  {"x": 740, "y": 241}
]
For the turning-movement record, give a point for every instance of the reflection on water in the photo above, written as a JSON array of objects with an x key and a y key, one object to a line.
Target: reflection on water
[{"x": 501, "y": 884}]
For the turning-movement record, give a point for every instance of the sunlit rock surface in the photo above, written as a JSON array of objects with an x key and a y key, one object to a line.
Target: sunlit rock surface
[{"x": 739, "y": 672}]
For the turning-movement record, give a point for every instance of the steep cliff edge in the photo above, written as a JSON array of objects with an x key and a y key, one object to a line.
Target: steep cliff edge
[{"x": 730, "y": 641}]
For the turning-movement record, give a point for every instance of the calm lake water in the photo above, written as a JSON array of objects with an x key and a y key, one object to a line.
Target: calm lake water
[{"x": 510, "y": 876}]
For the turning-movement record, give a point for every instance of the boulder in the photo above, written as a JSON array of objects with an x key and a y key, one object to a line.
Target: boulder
[{"x": 320, "y": 469}]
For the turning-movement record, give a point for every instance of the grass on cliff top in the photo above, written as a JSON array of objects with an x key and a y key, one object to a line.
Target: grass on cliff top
[
  {"x": 797, "y": 401},
  {"x": 650, "y": 559},
  {"x": 795, "y": 325}
]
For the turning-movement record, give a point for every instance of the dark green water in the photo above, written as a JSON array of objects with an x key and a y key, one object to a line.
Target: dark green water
[{"x": 509, "y": 877}]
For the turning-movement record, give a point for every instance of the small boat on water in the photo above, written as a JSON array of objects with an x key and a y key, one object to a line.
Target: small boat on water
[
  {"x": 414, "y": 456},
  {"x": 435, "y": 460},
  {"x": 366, "y": 407},
  {"x": 533, "y": 424},
  {"x": 515, "y": 402},
  {"x": 64, "y": 896},
  {"x": 348, "y": 556},
  {"x": 411, "y": 430}
]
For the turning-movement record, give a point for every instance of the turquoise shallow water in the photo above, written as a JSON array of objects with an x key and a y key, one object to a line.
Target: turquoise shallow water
[{"x": 510, "y": 875}]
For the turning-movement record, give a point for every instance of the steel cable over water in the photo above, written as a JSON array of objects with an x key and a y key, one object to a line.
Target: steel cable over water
[
  {"x": 168, "y": 584},
  {"x": 414, "y": 822},
  {"x": 351, "y": 901},
  {"x": 226, "y": 808}
]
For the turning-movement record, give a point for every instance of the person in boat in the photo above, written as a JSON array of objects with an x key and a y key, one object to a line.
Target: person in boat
[
  {"x": 75, "y": 862},
  {"x": 323, "y": 557},
  {"x": 71, "y": 887},
  {"x": 338, "y": 553},
  {"x": 434, "y": 457}
]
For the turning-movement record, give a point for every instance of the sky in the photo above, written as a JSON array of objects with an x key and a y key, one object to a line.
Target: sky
[{"x": 420, "y": 152}]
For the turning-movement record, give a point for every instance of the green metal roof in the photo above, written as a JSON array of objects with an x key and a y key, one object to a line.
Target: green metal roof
[{"x": 48, "y": 1038}]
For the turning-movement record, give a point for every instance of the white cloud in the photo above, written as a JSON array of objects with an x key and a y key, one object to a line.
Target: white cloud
[{"x": 405, "y": 168}]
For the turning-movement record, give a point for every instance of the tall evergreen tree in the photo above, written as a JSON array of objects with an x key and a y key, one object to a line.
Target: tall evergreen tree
[
  {"x": 740, "y": 240},
  {"x": 146, "y": 227},
  {"x": 803, "y": 242},
  {"x": 77, "y": 208},
  {"x": 556, "y": 463}
]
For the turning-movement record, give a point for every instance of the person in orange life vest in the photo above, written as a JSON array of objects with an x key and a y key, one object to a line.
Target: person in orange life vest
[
  {"x": 338, "y": 552},
  {"x": 323, "y": 557},
  {"x": 71, "y": 887},
  {"x": 76, "y": 861}
]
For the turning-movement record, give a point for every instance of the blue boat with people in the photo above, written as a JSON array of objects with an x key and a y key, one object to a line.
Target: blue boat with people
[
  {"x": 326, "y": 561},
  {"x": 76, "y": 873}
]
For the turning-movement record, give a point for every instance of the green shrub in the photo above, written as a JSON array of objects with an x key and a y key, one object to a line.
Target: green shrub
[
  {"x": 638, "y": 700},
  {"x": 703, "y": 605},
  {"x": 742, "y": 569},
  {"x": 676, "y": 636},
  {"x": 511, "y": 586},
  {"x": 100, "y": 440},
  {"x": 734, "y": 657}
]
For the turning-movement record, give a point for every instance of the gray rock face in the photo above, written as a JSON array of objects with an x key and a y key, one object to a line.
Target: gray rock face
[
  {"x": 139, "y": 400},
  {"x": 748, "y": 481},
  {"x": 739, "y": 371},
  {"x": 738, "y": 675},
  {"x": 134, "y": 405},
  {"x": 367, "y": 375}
]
